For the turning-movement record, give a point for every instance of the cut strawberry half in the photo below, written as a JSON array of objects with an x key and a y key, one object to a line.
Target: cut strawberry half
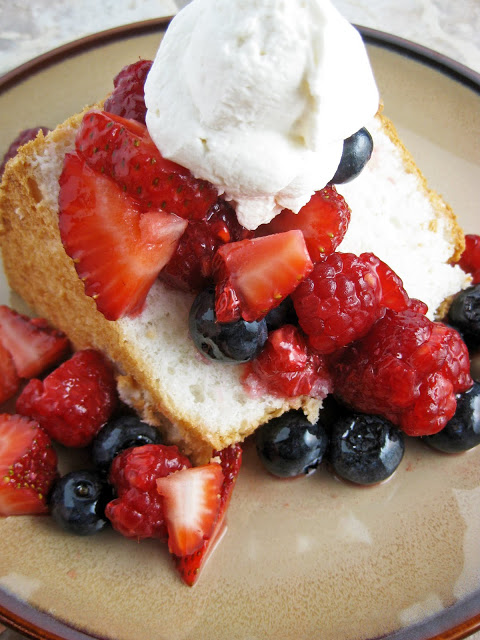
[
  {"x": 323, "y": 221},
  {"x": 122, "y": 149},
  {"x": 253, "y": 276},
  {"x": 33, "y": 345},
  {"x": 118, "y": 251},
  {"x": 28, "y": 466},
  {"x": 189, "y": 566},
  {"x": 191, "y": 499},
  {"x": 9, "y": 380}
]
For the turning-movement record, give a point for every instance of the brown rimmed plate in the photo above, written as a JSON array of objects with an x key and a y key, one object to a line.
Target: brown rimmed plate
[{"x": 310, "y": 558}]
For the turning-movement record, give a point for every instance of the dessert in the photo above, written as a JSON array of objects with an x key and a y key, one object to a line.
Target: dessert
[{"x": 111, "y": 209}]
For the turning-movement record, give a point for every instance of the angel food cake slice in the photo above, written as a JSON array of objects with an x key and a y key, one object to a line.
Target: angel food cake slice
[{"x": 204, "y": 405}]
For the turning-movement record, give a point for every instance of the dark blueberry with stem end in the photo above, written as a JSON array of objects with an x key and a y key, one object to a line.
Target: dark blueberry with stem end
[
  {"x": 120, "y": 434},
  {"x": 357, "y": 150},
  {"x": 365, "y": 449},
  {"x": 228, "y": 342},
  {"x": 464, "y": 315},
  {"x": 281, "y": 315},
  {"x": 78, "y": 501},
  {"x": 462, "y": 432},
  {"x": 290, "y": 445}
]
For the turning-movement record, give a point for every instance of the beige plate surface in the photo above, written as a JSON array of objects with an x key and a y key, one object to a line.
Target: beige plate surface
[{"x": 310, "y": 558}]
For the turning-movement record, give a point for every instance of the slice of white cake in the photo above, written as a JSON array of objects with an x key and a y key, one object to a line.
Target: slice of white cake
[{"x": 202, "y": 405}]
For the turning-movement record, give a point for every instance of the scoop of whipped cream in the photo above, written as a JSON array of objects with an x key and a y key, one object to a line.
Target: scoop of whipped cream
[{"x": 257, "y": 96}]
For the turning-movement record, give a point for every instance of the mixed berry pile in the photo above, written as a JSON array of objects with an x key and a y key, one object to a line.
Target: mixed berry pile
[{"x": 300, "y": 317}]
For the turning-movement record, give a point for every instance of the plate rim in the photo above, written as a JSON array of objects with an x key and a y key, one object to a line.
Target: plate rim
[{"x": 18, "y": 614}]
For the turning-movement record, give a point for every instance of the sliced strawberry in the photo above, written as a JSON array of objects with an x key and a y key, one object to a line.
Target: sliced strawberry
[
  {"x": 9, "y": 380},
  {"x": 189, "y": 566},
  {"x": 255, "y": 275},
  {"x": 33, "y": 345},
  {"x": 28, "y": 466},
  {"x": 118, "y": 250},
  {"x": 122, "y": 148},
  {"x": 191, "y": 506},
  {"x": 323, "y": 221}
]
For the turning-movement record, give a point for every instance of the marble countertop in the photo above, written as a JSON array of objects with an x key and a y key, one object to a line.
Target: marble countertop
[{"x": 29, "y": 28}]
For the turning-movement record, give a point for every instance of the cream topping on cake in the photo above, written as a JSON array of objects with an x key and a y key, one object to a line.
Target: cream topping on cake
[{"x": 257, "y": 97}]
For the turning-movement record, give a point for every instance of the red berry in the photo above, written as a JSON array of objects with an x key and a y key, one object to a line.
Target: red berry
[
  {"x": 470, "y": 258},
  {"x": 137, "y": 512},
  {"x": 189, "y": 566},
  {"x": 287, "y": 368},
  {"x": 28, "y": 466},
  {"x": 123, "y": 150},
  {"x": 191, "y": 502},
  {"x": 33, "y": 345},
  {"x": 190, "y": 268},
  {"x": 128, "y": 97},
  {"x": 253, "y": 276},
  {"x": 323, "y": 221},
  {"x": 9, "y": 379},
  {"x": 118, "y": 250},
  {"x": 407, "y": 369},
  {"x": 338, "y": 302},
  {"x": 23, "y": 137},
  {"x": 393, "y": 294},
  {"x": 74, "y": 401}
]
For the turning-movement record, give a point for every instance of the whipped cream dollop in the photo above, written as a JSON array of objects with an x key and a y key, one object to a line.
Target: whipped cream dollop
[{"x": 257, "y": 96}]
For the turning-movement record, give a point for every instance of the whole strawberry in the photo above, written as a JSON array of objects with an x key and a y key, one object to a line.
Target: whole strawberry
[
  {"x": 73, "y": 401},
  {"x": 28, "y": 466},
  {"x": 137, "y": 512},
  {"x": 407, "y": 369}
]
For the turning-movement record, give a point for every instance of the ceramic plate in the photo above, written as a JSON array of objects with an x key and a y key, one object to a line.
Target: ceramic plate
[{"x": 309, "y": 558}]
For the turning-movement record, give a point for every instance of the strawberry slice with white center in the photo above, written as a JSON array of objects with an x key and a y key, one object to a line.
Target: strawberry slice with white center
[
  {"x": 118, "y": 249},
  {"x": 33, "y": 345},
  {"x": 189, "y": 566},
  {"x": 253, "y": 276},
  {"x": 191, "y": 500},
  {"x": 28, "y": 466}
]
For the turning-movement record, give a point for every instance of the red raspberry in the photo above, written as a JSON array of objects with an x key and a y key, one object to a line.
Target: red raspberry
[
  {"x": 470, "y": 258},
  {"x": 74, "y": 401},
  {"x": 394, "y": 295},
  {"x": 190, "y": 268},
  {"x": 23, "y": 137},
  {"x": 407, "y": 369},
  {"x": 287, "y": 368},
  {"x": 137, "y": 512},
  {"x": 128, "y": 97},
  {"x": 338, "y": 302}
]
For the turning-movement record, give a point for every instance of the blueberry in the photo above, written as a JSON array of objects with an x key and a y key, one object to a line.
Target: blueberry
[
  {"x": 357, "y": 150},
  {"x": 229, "y": 342},
  {"x": 365, "y": 449},
  {"x": 120, "y": 434},
  {"x": 78, "y": 501},
  {"x": 290, "y": 445},
  {"x": 281, "y": 315},
  {"x": 462, "y": 432},
  {"x": 464, "y": 315}
]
